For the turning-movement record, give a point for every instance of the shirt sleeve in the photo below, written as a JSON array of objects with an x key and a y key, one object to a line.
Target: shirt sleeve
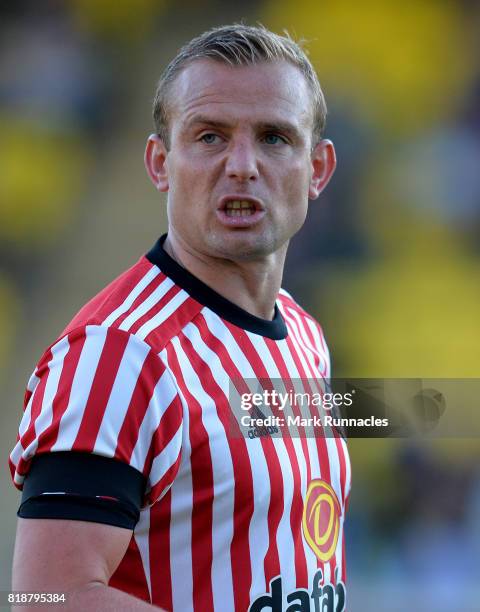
[
  {"x": 84, "y": 487},
  {"x": 102, "y": 391}
]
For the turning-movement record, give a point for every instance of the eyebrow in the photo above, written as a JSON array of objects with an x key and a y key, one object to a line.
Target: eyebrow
[
  {"x": 263, "y": 126},
  {"x": 203, "y": 120}
]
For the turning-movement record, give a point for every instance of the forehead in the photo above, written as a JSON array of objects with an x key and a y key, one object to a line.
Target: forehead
[{"x": 267, "y": 91}]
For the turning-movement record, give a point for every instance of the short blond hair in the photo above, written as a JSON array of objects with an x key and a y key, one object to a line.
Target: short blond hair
[{"x": 238, "y": 45}]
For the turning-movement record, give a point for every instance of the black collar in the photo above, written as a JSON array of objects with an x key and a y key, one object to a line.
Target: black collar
[{"x": 202, "y": 293}]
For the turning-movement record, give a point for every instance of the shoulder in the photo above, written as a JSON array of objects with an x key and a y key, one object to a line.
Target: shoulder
[
  {"x": 292, "y": 310},
  {"x": 305, "y": 328},
  {"x": 142, "y": 302}
]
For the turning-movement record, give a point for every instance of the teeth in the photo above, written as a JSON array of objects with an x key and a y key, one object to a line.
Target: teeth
[
  {"x": 239, "y": 212},
  {"x": 238, "y": 205},
  {"x": 239, "y": 208}
]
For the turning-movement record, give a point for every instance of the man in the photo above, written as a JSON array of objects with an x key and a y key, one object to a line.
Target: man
[{"x": 128, "y": 425}]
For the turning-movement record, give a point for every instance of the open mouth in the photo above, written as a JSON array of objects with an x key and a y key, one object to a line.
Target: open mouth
[
  {"x": 239, "y": 208},
  {"x": 240, "y": 211}
]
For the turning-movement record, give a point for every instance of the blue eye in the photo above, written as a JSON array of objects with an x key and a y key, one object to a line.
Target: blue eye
[
  {"x": 273, "y": 139},
  {"x": 209, "y": 138}
]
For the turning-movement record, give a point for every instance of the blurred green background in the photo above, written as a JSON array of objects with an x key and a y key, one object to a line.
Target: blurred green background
[{"x": 389, "y": 260}]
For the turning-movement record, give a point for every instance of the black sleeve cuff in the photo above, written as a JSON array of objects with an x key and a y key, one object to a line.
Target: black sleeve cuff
[{"x": 84, "y": 487}]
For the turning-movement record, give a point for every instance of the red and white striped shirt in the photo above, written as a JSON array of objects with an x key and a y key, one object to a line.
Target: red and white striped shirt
[{"x": 142, "y": 375}]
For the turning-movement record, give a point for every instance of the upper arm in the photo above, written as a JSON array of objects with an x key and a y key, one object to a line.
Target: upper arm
[
  {"x": 63, "y": 555},
  {"x": 104, "y": 392},
  {"x": 100, "y": 436}
]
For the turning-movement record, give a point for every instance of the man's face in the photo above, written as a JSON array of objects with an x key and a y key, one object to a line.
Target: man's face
[{"x": 239, "y": 169}]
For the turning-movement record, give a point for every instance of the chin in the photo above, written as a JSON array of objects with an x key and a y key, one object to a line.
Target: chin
[{"x": 246, "y": 248}]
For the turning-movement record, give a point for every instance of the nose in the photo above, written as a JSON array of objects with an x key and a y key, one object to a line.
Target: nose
[{"x": 241, "y": 161}]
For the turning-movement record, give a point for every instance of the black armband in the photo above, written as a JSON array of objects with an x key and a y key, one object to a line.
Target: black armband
[{"x": 83, "y": 487}]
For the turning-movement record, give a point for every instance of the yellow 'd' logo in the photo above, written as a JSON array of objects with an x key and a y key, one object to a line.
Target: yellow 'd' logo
[{"x": 321, "y": 519}]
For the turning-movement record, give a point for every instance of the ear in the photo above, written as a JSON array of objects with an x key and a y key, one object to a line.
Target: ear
[
  {"x": 324, "y": 162},
  {"x": 155, "y": 162}
]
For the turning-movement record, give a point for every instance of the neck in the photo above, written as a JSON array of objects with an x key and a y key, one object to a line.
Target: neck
[{"x": 251, "y": 285}]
